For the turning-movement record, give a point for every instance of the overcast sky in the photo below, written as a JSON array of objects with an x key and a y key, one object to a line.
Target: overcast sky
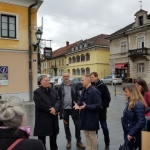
[{"x": 73, "y": 20}]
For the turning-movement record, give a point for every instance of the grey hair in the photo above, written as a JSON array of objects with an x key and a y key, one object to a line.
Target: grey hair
[{"x": 11, "y": 112}]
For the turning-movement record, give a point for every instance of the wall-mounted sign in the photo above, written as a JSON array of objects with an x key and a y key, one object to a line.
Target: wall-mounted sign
[
  {"x": 4, "y": 75},
  {"x": 47, "y": 52}
]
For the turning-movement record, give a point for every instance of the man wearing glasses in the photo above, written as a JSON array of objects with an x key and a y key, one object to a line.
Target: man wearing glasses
[{"x": 69, "y": 93}]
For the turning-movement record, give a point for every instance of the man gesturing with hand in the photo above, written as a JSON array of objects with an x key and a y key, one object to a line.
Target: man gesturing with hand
[
  {"x": 47, "y": 105},
  {"x": 89, "y": 104}
]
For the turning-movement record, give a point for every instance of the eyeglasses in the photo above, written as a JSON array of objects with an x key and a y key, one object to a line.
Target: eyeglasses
[{"x": 66, "y": 76}]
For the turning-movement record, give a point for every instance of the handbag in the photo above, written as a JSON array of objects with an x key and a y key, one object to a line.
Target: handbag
[{"x": 15, "y": 143}]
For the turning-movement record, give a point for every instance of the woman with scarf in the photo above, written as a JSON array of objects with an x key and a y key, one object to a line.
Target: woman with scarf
[{"x": 12, "y": 134}]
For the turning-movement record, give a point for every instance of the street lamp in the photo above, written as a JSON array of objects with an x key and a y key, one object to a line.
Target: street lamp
[{"x": 38, "y": 35}]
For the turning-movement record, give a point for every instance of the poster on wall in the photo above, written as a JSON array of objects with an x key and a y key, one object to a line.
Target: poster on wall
[{"x": 3, "y": 75}]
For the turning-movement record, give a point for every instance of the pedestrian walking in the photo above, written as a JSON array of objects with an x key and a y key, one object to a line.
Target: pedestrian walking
[
  {"x": 143, "y": 89},
  {"x": 105, "y": 97},
  {"x": 133, "y": 120},
  {"x": 69, "y": 93},
  {"x": 47, "y": 104},
  {"x": 12, "y": 132},
  {"x": 89, "y": 104}
]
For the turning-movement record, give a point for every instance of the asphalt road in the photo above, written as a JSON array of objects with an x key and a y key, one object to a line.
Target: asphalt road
[{"x": 114, "y": 123}]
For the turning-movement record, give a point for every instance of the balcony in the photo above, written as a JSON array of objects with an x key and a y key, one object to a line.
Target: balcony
[{"x": 138, "y": 53}]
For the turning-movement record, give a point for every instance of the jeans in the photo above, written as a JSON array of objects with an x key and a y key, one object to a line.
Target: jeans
[
  {"x": 52, "y": 139},
  {"x": 104, "y": 127},
  {"x": 68, "y": 112}
]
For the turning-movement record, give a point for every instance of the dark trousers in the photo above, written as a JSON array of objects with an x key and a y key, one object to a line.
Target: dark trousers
[
  {"x": 52, "y": 139},
  {"x": 103, "y": 118},
  {"x": 68, "y": 112}
]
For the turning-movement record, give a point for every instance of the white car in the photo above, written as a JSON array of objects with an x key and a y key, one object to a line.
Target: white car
[{"x": 112, "y": 79}]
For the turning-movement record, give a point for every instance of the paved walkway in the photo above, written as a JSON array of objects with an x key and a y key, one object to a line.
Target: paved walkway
[{"x": 114, "y": 124}]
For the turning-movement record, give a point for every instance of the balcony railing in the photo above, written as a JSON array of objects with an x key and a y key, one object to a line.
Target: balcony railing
[{"x": 139, "y": 52}]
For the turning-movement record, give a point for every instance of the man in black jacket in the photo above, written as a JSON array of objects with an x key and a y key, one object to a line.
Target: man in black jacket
[
  {"x": 105, "y": 96},
  {"x": 47, "y": 104},
  {"x": 69, "y": 93}
]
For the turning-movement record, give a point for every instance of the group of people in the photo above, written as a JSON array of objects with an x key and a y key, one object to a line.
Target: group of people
[{"x": 87, "y": 110}]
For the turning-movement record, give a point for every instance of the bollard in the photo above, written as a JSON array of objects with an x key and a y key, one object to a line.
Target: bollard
[{"x": 115, "y": 87}]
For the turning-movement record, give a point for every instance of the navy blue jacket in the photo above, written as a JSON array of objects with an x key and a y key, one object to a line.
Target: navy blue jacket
[
  {"x": 133, "y": 121},
  {"x": 89, "y": 116}
]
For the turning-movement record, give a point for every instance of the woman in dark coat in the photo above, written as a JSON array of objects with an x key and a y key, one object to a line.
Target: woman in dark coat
[
  {"x": 47, "y": 104},
  {"x": 133, "y": 120},
  {"x": 11, "y": 120}
]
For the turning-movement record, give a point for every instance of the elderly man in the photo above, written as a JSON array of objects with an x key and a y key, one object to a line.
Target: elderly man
[
  {"x": 89, "y": 104},
  {"x": 47, "y": 104},
  {"x": 68, "y": 93}
]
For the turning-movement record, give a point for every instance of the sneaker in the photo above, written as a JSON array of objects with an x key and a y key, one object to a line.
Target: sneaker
[
  {"x": 80, "y": 144},
  {"x": 106, "y": 148},
  {"x": 68, "y": 146}
]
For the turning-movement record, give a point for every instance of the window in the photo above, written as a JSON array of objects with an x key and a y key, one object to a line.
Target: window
[
  {"x": 49, "y": 64},
  {"x": 87, "y": 70},
  {"x": 140, "y": 42},
  {"x": 78, "y": 58},
  {"x": 62, "y": 61},
  {"x": 78, "y": 71},
  {"x": 8, "y": 26},
  {"x": 82, "y": 71},
  {"x": 76, "y": 47},
  {"x": 69, "y": 60},
  {"x": 85, "y": 44},
  {"x": 87, "y": 56},
  {"x": 73, "y": 59},
  {"x": 81, "y": 46},
  {"x": 73, "y": 71},
  {"x": 123, "y": 46},
  {"x": 72, "y": 49},
  {"x": 141, "y": 20},
  {"x": 141, "y": 68},
  {"x": 82, "y": 57},
  {"x": 59, "y": 63}
]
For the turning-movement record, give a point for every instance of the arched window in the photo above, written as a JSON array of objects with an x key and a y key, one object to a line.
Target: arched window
[
  {"x": 82, "y": 57},
  {"x": 72, "y": 49},
  {"x": 73, "y": 71},
  {"x": 78, "y": 71},
  {"x": 85, "y": 44},
  {"x": 87, "y": 70},
  {"x": 73, "y": 59},
  {"x": 69, "y": 60},
  {"x": 87, "y": 56},
  {"x": 76, "y": 47},
  {"x": 81, "y": 46},
  {"x": 82, "y": 71},
  {"x": 78, "y": 58}
]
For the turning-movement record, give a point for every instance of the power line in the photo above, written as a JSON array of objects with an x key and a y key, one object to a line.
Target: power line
[{"x": 75, "y": 20}]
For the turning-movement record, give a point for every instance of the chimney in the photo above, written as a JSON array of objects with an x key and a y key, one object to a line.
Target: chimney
[{"x": 67, "y": 43}]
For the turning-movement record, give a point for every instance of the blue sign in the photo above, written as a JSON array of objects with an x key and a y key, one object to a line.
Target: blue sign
[{"x": 3, "y": 69}]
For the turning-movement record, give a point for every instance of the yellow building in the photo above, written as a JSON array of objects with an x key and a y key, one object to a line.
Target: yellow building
[
  {"x": 15, "y": 45},
  {"x": 89, "y": 56}
]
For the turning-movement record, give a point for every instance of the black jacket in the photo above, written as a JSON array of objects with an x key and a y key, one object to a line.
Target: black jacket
[
  {"x": 45, "y": 122},
  {"x": 75, "y": 97},
  {"x": 9, "y": 136},
  {"x": 105, "y": 95}
]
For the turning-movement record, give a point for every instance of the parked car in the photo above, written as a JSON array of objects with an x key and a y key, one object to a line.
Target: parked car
[
  {"x": 73, "y": 80},
  {"x": 54, "y": 81},
  {"x": 40, "y": 76},
  {"x": 112, "y": 79}
]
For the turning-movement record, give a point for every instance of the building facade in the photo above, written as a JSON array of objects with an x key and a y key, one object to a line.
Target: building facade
[
  {"x": 130, "y": 49},
  {"x": 14, "y": 48},
  {"x": 88, "y": 56}
]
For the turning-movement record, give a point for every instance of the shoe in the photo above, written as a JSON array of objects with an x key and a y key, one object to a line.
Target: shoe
[
  {"x": 68, "y": 146},
  {"x": 106, "y": 148},
  {"x": 80, "y": 144}
]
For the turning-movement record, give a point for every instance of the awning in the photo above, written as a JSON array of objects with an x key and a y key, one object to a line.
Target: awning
[{"x": 120, "y": 65}]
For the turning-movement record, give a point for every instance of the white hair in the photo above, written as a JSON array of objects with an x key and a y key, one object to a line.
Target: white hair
[{"x": 11, "y": 112}]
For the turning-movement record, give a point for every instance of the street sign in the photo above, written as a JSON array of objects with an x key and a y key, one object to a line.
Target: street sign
[
  {"x": 4, "y": 75},
  {"x": 47, "y": 52}
]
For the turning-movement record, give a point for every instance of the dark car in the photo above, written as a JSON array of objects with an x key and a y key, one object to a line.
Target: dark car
[{"x": 73, "y": 80}]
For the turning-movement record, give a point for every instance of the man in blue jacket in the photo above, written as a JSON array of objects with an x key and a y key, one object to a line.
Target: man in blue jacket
[{"x": 89, "y": 104}]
